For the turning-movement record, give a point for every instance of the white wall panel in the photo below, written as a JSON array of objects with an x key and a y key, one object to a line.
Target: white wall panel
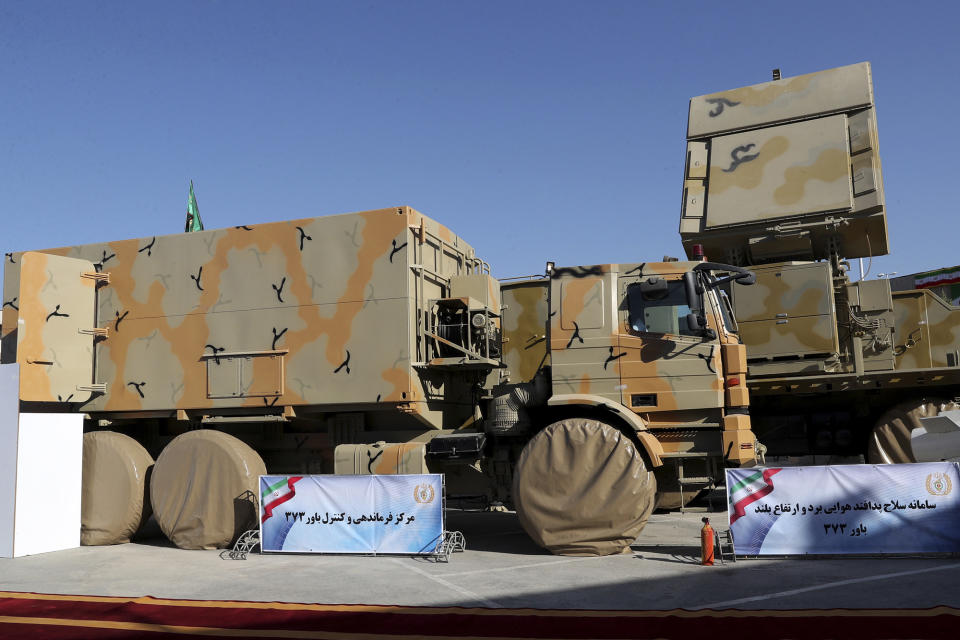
[{"x": 41, "y": 462}]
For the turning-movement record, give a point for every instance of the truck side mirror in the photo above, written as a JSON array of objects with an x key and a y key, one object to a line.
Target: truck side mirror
[
  {"x": 693, "y": 290},
  {"x": 696, "y": 319},
  {"x": 741, "y": 275}
]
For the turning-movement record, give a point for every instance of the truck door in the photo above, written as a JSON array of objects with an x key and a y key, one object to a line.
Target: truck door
[
  {"x": 583, "y": 333},
  {"x": 664, "y": 366},
  {"x": 56, "y": 328}
]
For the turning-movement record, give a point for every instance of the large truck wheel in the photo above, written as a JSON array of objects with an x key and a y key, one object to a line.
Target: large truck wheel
[
  {"x": 203, "y": 489},
  {"x": 114, "y": 498},
  {"x": 581, "y": 488},
  {"x": 890, "y": 441}
]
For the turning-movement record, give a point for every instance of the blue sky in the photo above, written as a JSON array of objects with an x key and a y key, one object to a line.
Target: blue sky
[{"x": 535, "y": 130}]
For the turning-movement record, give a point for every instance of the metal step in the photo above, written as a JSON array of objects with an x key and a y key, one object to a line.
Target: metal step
[
  {"x": 685, "y": 454},
  {"x": 695, "y": 480}
]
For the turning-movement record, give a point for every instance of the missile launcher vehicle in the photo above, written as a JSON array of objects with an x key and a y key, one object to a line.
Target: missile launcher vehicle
[
  {"x": 785, "y": 178},
  {"x": 377, "y": 342}
]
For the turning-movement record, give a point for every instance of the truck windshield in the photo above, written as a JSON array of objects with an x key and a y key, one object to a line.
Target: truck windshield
[{"x": 663, "y": 313}]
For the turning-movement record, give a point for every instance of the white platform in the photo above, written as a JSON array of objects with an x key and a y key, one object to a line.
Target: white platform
[{"x": 41, "y": 469}]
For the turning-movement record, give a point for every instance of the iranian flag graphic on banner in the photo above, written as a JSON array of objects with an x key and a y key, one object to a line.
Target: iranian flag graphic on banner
[
  {"x": 749, "y": 490},
  {"x": 276, "y": 494},
  {"x": 937, "y": 278}
]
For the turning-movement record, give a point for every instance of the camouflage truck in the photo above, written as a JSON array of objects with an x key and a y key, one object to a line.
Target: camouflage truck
[
  {"x": 785, "y": 177},
  {"x": 378, "y": 342}
]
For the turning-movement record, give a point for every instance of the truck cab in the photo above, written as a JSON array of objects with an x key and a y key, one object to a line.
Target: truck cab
[{"x": 650, "y": 347}]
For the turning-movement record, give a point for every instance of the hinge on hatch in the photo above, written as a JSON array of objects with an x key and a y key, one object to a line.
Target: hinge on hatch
[
  {"x": 98, "y": 277},
  {"x": 100, "y": 387},
  {"x": 98, "y": 332}
]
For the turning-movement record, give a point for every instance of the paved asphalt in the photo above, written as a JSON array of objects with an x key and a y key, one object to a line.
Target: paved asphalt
[{"x": 500, "y": 568}]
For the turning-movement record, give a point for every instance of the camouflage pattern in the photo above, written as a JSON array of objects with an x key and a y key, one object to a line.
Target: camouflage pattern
[
  {"x": 525, "y": 310},
  {"x": 284, "y": 314},
  {"x": 870, "y": 308},
  {"x": 352, "y": 329},
  {"x": 785, "y": 176},
  {"x": 788, "y": 312},
  {"x": 380, "y": 458},
  {"x": 669, "y": 380},
  {"x": 840, "y": 89},
  {"x": 786, "y": 169},
  {"x": 594, "y": 350},
  {"x": 798, "y": 320},
  {"x": 927, "y": 331},
  {"x": 799, "y": 152},
  {"x": 56, "y": 316},
  {"x": 780, "y": 172}
]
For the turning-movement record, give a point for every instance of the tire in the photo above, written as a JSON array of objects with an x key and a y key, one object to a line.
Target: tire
[
  {"x": 114, "y": 491},
  {"x": 581, "y": 488},
  {"x": 201, "y": 489},
  {"x": 889, "y": 443}
]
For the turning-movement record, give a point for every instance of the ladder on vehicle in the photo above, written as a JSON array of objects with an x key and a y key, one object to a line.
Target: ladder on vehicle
[{"x": 695, "y": 484}]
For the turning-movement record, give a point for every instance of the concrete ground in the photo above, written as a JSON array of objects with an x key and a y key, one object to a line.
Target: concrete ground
[{"x": 500, "y": 568}]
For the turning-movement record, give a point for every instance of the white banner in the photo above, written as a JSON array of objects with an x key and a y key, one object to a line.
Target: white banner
[
  {"x": 845, "y": 509},
  {"x": 351, "y": 514}
]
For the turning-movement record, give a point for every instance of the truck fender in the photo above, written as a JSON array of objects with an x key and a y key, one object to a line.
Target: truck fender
[{"x": 650, "y": 443}]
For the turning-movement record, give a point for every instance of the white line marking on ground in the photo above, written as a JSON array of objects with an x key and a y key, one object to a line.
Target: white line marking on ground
[
  {"x": 449, "y": 585},
  {"x": 829, "y": 585},
  {"x": 524, "y": 566}
]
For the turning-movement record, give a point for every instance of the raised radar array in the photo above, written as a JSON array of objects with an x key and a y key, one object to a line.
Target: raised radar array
[{"x": 785, "y": 170}]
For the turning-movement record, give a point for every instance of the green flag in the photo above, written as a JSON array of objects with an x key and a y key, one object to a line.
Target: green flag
[{"x": 194, "y": 223}]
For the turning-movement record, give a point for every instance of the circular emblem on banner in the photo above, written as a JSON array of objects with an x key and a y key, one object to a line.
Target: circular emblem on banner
[
  {"x": 938, "y": 484},
  {"x": 424, "y": 494}
]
